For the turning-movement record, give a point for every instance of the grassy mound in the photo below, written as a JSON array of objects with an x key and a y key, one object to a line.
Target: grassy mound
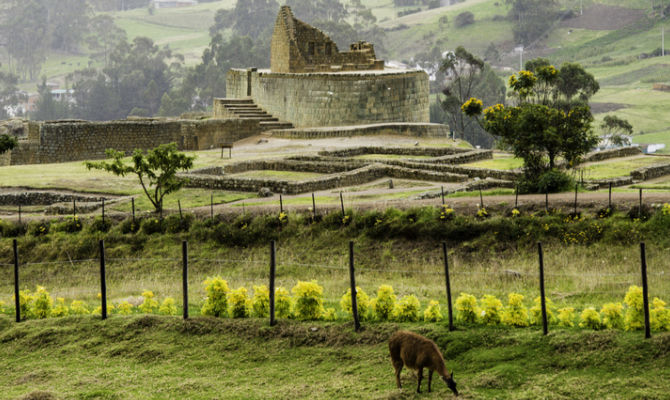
[{"x": 140, "y": 357}]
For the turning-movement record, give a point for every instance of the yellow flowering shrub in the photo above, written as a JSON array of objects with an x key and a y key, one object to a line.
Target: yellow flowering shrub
[
  {"x": 491, "y": 309},
  {"x": 472, "y": 107},
  {"x": 432, "y": 313},
  {"x": 308, "y": 302},
  {"x": 407, "y": 309},
  {"x": 384, "y": 303},
  {"x": 260, "y": 302},
  {"x": 60, "y": 309},
  {"x": 238, "y": 303},
  {"x": 77, "y": 307},
  {"x": 216, "y": 303},
  {"x": 566, "y": 317},
  {"x": 590, "y": 318},
  {"x": 98, "y": 310},
  {"x": 516, "y": 313},
  {"x": 149, "y": 305},
  {"x": 283, "y": 303},
  {"x": 612, "y": 314},
  {"x": 466, "y": 307},
  {"x": 124, "y": 308},
  {"x": 362, "y": 303},
  {"x": 634, "y": 318},
  {"x": 536, "y": 311},
  {"x": 42, "y": 303},
  {"x": 168, "y": 307},
  {"x": 660, "y": 316}
]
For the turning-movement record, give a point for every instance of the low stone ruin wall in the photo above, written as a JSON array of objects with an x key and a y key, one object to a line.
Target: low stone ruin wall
[
  {"x": 392, "y": 128},
  {"x": 400, "y": 151},
  {"x": 322, "y": 167},
  {"x": 462, "y": 158},
  {"x": 612, "y": 153},
  {"x": 32, "y": 197},
  {"x": 651, "y": 172},
  {"x": 348, "y": 178},
  {"x": 472, "y": 172}
]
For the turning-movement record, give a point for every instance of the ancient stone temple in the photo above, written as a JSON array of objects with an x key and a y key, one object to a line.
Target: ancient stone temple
[
  {"x": 299, "y": 47},
  {"x": 312, "y": 84}
]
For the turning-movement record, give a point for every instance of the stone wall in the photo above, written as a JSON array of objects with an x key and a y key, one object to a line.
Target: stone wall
[
  {"x": 62, "y": 141},
  {"x": 612, "y": 153},
  {"x": 408, "y": 151},
  {"x": 340, "y": 99},
  {"x": 237, "y": 84},
  {"x": 390, "y": 128},
  {"x": 348, "y": 178},
  {"x": 651, "y": 172}
]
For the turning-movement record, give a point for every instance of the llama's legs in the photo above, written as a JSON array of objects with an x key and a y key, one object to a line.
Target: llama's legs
[
  {"x": 398, "y": 367},
  {"x": 420, "y": 377},
  {"x": 430, "y": 378}
]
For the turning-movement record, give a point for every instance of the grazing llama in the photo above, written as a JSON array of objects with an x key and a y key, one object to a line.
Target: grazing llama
[{"x": 418, "y": 352}]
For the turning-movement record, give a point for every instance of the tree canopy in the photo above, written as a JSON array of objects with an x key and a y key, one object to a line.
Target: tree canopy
[{"x": 7, "y": 142}]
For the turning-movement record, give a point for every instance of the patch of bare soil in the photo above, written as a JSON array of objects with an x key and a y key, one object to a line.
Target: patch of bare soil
[
  {"x": 602, "y": 17},
  {"x": 601, "y": 108}
]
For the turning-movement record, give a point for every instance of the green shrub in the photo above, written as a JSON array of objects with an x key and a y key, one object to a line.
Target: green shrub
[
  {"x": 283, "y": 303},
  {"x": 659, "y": 315},
  {"x": 612, "y": 315},
  {"x": 150, "y": 226},
  {"x": 168, "y": 307},
  {"x": 38, "y": 228},
  {"x": 10, "y": 229},
  {"x": 77, "y": 307},
  {"x": 60, "y": 309},
  {"x": 634, "y": 318},
  {"x": 70, "y": 225},
  {"x": 432, "y": 312},
  {"x": 552, "y": 181},
  {"x": 384, "y": 303},
  {"x": 100, "y": 225},
  {"x": 362, "y": 303},
  {"x": 216, "y": 303},
  {"x": 466, "y": 307},
  {"x": 590, "y": 319},
  {"x": 566, "y": 317},
  {"x": 308, "y": 300},
  {"x": 129, "y": 226},
  {"x": 26, "y": 300},
  {"x": 124, "y": 308},
  {"x": 407, "y": 309},
  {"x": 149, "y": 305},
  {"x": 536, "y": 311},
  {"x": 516, "y": 313},
  {"x": 175, "y": 224},
  {"x": 491, "y": 310},
  {"x": 260, "y": 303},
  {"x": 637, "y": 213},
  {"x": 238, "y": 301}
]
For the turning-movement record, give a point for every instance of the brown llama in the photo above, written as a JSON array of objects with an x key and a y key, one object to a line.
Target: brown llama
[{"x": 418, "y": 352}]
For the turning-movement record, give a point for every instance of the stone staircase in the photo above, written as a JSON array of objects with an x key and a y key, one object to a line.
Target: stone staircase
[{"x": 247, "y": 109}]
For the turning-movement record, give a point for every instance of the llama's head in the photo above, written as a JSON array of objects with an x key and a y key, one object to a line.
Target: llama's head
[{"x": 449, "y": 380}]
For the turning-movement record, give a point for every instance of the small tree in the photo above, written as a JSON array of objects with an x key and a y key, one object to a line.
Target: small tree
[
  {"x": 617, "y": 130},
  {"x": 7, "y": 143},
  {"x": 156, "y": 170}
]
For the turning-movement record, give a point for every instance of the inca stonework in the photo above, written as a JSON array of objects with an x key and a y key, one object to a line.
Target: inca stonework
[{"x": 329, "y": 88}]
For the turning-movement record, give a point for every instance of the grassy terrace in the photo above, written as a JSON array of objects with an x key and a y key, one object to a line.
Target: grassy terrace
[
  {"x": 278, "y": 175},
  {"x": 614, "y": 168}
]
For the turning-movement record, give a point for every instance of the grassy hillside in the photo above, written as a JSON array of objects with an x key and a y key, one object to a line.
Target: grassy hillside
[{"x": 141, "y": 357}]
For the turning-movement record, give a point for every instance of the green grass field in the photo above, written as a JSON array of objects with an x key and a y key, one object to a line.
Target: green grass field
[{"x": 156, "y": 357}]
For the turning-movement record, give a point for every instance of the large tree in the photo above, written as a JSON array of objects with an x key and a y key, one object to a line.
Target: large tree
[
  {"x": 9, "y": 93},
  {"x": 542, "y": 127},
  {"x": 532, "y": 19},
  {"x": 468, "y": 76},
  {"x": 103, "y": 36}
]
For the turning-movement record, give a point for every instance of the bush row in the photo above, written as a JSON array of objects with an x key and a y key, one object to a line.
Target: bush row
[{"x": 307, "y": 303}]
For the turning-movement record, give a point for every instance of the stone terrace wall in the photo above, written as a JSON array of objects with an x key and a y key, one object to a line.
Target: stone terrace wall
[
  {"x": 651, "y": 172},
  {"x": 322, "y": 167},
  {"x": 336, "y": 99},
  {"x": 408, "y": 151},
  {"x": 390, "y": 128},
  {"x": 612, "y": 153},
  {"x": 349, "y": 178}
]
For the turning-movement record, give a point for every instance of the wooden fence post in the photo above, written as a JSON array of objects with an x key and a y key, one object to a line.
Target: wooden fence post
[
  {"x": 273, "y": 271},
  {"x": 103, "y": 282},
  {"x": 103, "y": 212},
  {"x": 313, "y": 206},
  {"x": 352, "y": 280},
  {"x": 184, "y": 276},
  {"x": 545, "y": 329},
  {"x": 645, "y": 291},
  {"x": 576, "y": 187},
  {"x": 74, "y": 208},
  {"x": 609, "y": 203},
  {"x": 281, "y": 203},
  {"x": 516, "y": 196},
  {"x": 342, "y": 204},
  {"x": 546, "y": 202},
  {"x": 481, "y": 198},
  {"x": 132, "y": 200},
  {"x": 442, "y": 189},
  {"x": 446, "y": 276},
  {"x": 211, "y": 205},
  {"x": 17, "y": 299},
  {"x": 179, "y": 205},
  {"x": 639, "y": 211},
  {"x": 19, "y": 213}
]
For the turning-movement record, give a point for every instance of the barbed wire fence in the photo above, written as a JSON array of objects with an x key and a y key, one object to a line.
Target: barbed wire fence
[{"x": 93, "y": 274}]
